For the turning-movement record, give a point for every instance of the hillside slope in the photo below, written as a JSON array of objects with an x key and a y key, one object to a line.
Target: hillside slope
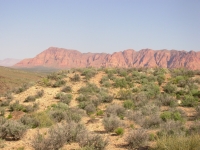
[{"x": 10, "y": 78}]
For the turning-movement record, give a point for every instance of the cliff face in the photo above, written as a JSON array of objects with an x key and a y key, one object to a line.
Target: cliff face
[{"x": 63, "y": 58}]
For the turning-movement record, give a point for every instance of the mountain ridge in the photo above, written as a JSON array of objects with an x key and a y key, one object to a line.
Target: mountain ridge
[{"x": 68, "y": 58}]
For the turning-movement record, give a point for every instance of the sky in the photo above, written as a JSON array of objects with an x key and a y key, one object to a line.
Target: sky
[{"x": 28, "y": 27}]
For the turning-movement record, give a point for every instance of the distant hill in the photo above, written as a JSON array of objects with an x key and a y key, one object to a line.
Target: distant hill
[
  {"x": 64, "y": 58},
  {"x": 9, "y": 62},
  {"x": 11, "y": 78}
]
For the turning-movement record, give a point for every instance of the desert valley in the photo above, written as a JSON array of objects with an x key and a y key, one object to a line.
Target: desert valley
[{"x": 67, "y": 100}]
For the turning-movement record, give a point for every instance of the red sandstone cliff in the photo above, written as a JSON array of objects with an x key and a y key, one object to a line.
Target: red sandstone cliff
[{"x": 63, "y": 58}]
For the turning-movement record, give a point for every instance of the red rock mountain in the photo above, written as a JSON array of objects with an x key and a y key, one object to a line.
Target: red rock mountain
[{"x": 64, "y": 58}]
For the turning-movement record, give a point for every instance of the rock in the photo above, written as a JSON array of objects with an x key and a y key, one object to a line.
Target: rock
[{"x": 63, "y": 58}]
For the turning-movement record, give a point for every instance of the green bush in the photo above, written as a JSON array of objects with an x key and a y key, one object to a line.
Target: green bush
[
  {"x": 151, "y": 90},
  {"x": 43, "y": 118},
  {"x": 88, "y": 73},
  {"x": 125, "y": 94},
  {"x": 119, "y": 131},
  {"x": 169, "y": 88},
  {"x": 128, "y": 104},
  {"x": 168, "y": 115},
  {"x": 59, "y": 83},
  {"x": 189, "y": 101},
  {"x": 120, "y": 83}
]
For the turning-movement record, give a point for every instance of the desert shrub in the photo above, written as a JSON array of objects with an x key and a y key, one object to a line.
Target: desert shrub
[
  {"x": 122, "y": 72},
  {"x": 111, "y": 123},
  {"x": 57, "y": 136},
  {"x": 25, "y": 108},
  {"x": 90, "y": 108},
  {"x": 120, "y": 83},
  {"x": 137, "y": 138},
  {"x": 128, "y": 104},
  {"x": 160, "y": 79},
  {"x": 82, "y": 98},
  {"x": 169, "y": 88},
  {"x": 12, "y": 130},
  {"x": 9, "y": 96},
  {"x": 76, "y": 78},
  {"x": 39, "y": 94},
  {"x": 198, "y": 112},
  {"x": 115, "y": 109},
  {"x": 57, "y": 115},
  {"x": 30, "y": 99},
  {"x": 66, "y": 98},
  {"x": 99, "y": 112},
  {"x": 46, "y": 82},
  {"x": 119, "y": 131},
  {"x": 59, "y": 83},
  {"x": 151, "y": 90},
  {"x": 105, "y": 97},
  {"x": 23, "y": 88},
  {"x": 167, "y": 100},
  {"x": 125, "y": 94},
  {"x": 149, "y": 109},
  {"x": 66, "y": 89},
  {"x": 74, "y": 114},
  {"x": 30, "y": 121},
  {"x": 152, "y": 121},
  {"x": 189, "y": 101},
  {"x": 59, "y": 95},
  {"x": 88, "y": 73},
  {"x": 5, "y": 102},
  {"x": 178, "y": 142},
  {"x": 140, "y": 99},
  {"x": 194, "y": 128},
  {"x": 91, "y": 141},
  {"x": 171, "y": 115},
  {"x": 172, "y": 127},
  {"x": 104, "y": 79},
  {"x": 89, "y": 88},
  {"x": 43, "y": 118},
  {"x": 2, "y": 143},
  {"x": 16, "y": 106},
  {"x": 2, "y": 111}
]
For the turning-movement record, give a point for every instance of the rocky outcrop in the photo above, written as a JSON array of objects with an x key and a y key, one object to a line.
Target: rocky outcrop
[{"x": 64, "y": 58}]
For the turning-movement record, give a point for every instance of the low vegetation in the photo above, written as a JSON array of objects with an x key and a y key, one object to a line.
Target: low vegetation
[{"x": 104, "y": 108}]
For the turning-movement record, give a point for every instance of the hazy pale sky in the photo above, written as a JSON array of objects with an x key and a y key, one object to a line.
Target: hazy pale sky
[{"x": 27, "y": 27}]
